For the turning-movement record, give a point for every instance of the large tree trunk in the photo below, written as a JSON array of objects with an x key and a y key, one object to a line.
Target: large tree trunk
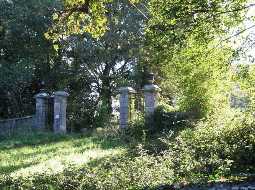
[
  {"x": 106, "y": 97},
  {"x": 106, "y": 91}
]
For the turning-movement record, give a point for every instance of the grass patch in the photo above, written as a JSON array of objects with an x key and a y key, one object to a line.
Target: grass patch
[
  {"x": 42, "y": 152},
  {"x": 206, "y": 151},
  {"x": 46, "y": 161}
]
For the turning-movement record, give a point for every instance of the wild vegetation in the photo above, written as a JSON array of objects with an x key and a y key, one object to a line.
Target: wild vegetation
[
  {"x": 90, "y": 49},
  {"x": 187, "y": 154}
]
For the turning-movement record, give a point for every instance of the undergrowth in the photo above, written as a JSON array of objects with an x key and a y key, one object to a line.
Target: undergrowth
[{"x": 219, "y": 147}]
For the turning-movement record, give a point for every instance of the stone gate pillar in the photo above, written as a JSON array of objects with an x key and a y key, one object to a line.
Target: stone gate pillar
[
  {"x": 125, "y": 93},
  {"x": 150, "y": 98},
  {"x": 151, "y": 92},
  {"x": 60, "y": 104},
  {"x": 41, "y": 110}
]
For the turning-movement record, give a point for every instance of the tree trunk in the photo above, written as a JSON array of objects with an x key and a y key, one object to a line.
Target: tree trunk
[{"x": 106, "y": 91}]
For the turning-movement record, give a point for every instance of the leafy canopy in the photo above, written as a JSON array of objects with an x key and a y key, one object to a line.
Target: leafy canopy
[{"x": 79, "y": 17}]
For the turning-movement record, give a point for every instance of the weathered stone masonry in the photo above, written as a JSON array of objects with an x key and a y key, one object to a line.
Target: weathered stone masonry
[
  {"x": 41, "y": 110},
  {"x": 60, "y": 104},
  {"x": 125, "y": 93}
]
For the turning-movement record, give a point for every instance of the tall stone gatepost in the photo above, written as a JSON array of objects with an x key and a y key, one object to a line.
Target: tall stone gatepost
[
  {"x": 41, "y": 114},
  {"x": 125, "y": 97},
  {"x": 60, "y": 104},
  {"x": 151, "y": 92}
]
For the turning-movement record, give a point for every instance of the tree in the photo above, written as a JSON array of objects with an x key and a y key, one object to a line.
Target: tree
[
  {"x": 25, "y": 54},
  {"x": 81, "y": 16},
  {"x": 103, "y": 65},
  {"x": 188, "y": 39},
  {"x": 176, "y": 32}
]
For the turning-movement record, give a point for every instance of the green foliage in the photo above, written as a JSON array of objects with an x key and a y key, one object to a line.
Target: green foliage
[
  {"x": 178, "y": 20},
  {"x": 96, "y": 68},
  {"x": 244, "y": 77},
  {"x": 196, "y": 76},
  {"x": 137, "y": 130},
  {"x": 219, "y": 146},
  {"x": 186, "y": 49},
  {"x": 164, "y": 106},
  {"x": 102, "y": 117},
  {"x": 182, "y": 46},
  {"x": 25, "y": 54},
  {"x": 170, "y": 120},
  {"x": 79, "y": 17},
  {"x": 83, "y": 16},
  {"x": 184, "y": 41}
]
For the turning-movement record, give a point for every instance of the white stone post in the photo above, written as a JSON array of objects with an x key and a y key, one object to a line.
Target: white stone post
[
  {"x": 60, "y": 104},
  {"x": 125, "y": 93},
  {"x": 41, "y": 110}
]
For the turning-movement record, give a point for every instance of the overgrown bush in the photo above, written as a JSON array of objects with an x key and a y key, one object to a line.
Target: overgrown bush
[
  {"x": 165, "y": 119},
  {"x": 137, "y": 130},
  {"x": 123, "y": 172},
  {"x": 217, "y": 146}
]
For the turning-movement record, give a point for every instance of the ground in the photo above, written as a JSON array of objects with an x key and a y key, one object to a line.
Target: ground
[
  {"x": 45, "y": 152},
  {"x": 107, "y": 161}
]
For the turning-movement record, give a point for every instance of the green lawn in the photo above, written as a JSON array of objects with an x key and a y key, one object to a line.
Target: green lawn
[
  {"x": 47, "y": 161},
  {"x": 43, "y": 153}
]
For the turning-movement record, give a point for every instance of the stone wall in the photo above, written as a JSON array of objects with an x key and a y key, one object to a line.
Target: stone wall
[{"x": 10, "y": 127}]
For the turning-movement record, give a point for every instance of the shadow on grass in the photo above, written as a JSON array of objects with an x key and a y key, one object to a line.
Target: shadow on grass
[
  {"x": 43, "y": 138},
  {"x": 9, "y": 169},
  {"x": 28, "y": 159},
  {"x": 32, "y": 139},
  {"x": 40, "y": 147}
]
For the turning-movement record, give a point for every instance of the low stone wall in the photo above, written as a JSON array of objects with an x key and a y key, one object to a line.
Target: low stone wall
[{"x": 10, "y": 127}]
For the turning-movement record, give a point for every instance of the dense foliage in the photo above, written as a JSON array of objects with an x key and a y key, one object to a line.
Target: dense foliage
[
  {"x": 90, "y": 48},
  {"x": 101, "y": 66},
  {"x": 90, "y": 69},
  {"x": 184, "y": 42},
  {"x": 25, "y": 54},
  {"x": 186, "y": 49},
  {"x": 191, "y": 52}
]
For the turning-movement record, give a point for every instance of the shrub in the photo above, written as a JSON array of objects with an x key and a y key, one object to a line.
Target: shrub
[
  {"x": 215, "y": 147},
  {"x": 136, "y": 131},
  {"x": 123, "y": 172},
  {"x": 170, "y": 120}
]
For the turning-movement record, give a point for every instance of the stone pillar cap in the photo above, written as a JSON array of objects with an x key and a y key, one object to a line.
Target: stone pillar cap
[
  {"x": 42, "y": 95},
  {"x": 151, "y": 88},
  {"x": 123, "y": 90},
  {"x": 61, "y": 93}
]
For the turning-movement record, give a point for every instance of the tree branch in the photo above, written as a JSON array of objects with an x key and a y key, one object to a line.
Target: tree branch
[
  {"x": 83, "y": 8},
  {"x": 228, "y": 38},
  {"x": 238, "y": 33},
  {"x": 223, "y": 12}
]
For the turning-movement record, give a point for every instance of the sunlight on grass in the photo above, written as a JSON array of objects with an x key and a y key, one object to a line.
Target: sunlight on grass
[
  {"x": 59, "y": 163},
  {"x": 40, "y": 156}
]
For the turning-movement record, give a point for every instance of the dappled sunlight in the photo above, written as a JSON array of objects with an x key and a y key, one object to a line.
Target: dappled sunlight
[
  {"x": 60, "y": 163},
  {"x": 52, "y": 157},
  {"x": 131, "y": 94}
]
